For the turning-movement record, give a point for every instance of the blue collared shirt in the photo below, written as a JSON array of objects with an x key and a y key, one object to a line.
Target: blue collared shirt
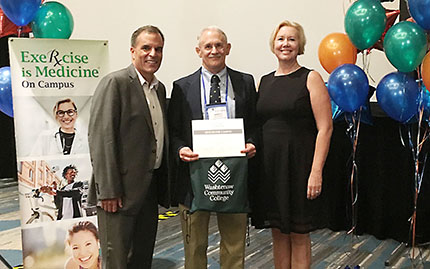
[{"x": 223, "y": 75}]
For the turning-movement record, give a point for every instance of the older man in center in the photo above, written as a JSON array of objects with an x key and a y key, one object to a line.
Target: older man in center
[{"x": 190, "y": 100}]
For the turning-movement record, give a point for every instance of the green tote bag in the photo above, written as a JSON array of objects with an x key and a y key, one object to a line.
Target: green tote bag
[{"x": 220, "y": 185}]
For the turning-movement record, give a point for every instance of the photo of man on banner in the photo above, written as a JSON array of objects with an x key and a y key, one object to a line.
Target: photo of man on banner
[
  {"x": 68, "y": 197},
  {"x": 55, "y": 189}
]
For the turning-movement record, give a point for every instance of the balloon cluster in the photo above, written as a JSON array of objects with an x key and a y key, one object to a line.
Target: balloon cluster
[
  {"x": 368, "y": 25},
  {"x": 47, "y": 20},
  {"x": 348, "y": 85},
  {"x": 405, "y": 45}
]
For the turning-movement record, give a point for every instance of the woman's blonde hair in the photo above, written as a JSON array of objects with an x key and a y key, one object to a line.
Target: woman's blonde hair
[
  {"x": 62, "y": 101},
  {"x": 300, "y": 32}
]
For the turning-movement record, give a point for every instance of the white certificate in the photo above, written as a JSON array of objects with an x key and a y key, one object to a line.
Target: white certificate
[{"x": 218, "y": 138}]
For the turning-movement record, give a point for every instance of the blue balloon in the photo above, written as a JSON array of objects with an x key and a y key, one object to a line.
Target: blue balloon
[
  {"x": 420, "y": 12},
  {"x": 339, "y": 115},
  {"x": 336, "y": 112},
  {"x": 20, "y": 12},
  {"x": 398, "y": 95},
  {"x": 6, "y": 91},
  {"x": 348, "y": 87},
  {"x": 425, "y": 102}
]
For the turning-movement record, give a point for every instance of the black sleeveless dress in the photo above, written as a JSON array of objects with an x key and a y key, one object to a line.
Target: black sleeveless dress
[{"x": 289, "y": 133}]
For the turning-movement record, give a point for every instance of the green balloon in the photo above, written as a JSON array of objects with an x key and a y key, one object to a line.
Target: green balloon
[
  {"x": 405, "y": 45},
  {"x": 365, "y": 22},
  {"x": 52, "y": 20}
]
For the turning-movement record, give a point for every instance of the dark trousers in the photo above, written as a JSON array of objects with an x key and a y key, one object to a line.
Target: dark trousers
[{"x": 127, "y": 241}]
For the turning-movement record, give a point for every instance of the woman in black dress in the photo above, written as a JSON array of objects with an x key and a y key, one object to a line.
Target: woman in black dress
[{"x": 294, "y": 108}]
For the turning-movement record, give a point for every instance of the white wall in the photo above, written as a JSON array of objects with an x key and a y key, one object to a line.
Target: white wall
[{"x": 247, "y": 23}]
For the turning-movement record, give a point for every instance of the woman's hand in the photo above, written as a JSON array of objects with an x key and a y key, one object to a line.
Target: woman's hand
[{"x": 314, "y": 185}]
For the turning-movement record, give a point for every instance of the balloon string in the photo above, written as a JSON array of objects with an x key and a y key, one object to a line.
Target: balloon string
[
  {"x": 354, "y": 171},
  {"x": 349, "y": 4},
  {"x": 422, "y": 173},
  {"x": 344, "y": 8},
  {"x": 366, "y": 63},
  {"x": 413, "y": 222},
  {"x": 416, "y": 154},
  {"x": 428, "y": 40},
  {"x": 401, "y": 136},
  {"x": 412, "y": 219},
  {"x": 411, "y": 143},
  {"x": 19, "y": 31},
  {"x": 420, "y": 142}
]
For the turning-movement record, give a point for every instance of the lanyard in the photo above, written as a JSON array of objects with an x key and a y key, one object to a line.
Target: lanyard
[{"x": 204, "y": 95}]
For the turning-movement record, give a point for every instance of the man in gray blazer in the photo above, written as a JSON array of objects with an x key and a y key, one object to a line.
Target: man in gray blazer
[{"x": 128, "y": 141}]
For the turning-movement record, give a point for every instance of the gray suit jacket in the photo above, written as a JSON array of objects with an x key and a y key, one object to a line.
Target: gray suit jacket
[{"x": 122, "y": 142}]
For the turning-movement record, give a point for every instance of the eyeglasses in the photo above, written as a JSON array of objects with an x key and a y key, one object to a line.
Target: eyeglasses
[{"x": 70, "y": 112}]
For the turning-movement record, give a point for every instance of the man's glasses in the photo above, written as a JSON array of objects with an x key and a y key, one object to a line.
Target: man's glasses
[{"x": 61, "y": 113}]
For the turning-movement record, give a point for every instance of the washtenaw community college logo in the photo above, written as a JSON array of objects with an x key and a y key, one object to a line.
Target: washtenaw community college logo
[
  {"x": 219, "y": 171},
  {"x": 221, "y": 191}
]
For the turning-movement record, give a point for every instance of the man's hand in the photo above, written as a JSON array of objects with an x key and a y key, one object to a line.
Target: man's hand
[
  {"x": 111, "y": 205},
  {"x": 187, "y": 155},
  {"x": 47, "y": 189},
  {"x": 249, "y": 150}
]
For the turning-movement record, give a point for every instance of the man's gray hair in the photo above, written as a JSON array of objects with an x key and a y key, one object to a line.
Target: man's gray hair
[{"x": 213, "y": 28}]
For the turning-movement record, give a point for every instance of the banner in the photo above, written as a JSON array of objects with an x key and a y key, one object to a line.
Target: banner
[{"x": 53, "y": 81}]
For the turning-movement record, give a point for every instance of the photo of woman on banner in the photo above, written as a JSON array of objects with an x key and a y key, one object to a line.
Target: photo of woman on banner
[
  {"x": 83, "y": 241},
  {"x": 66, "y": 139}
]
